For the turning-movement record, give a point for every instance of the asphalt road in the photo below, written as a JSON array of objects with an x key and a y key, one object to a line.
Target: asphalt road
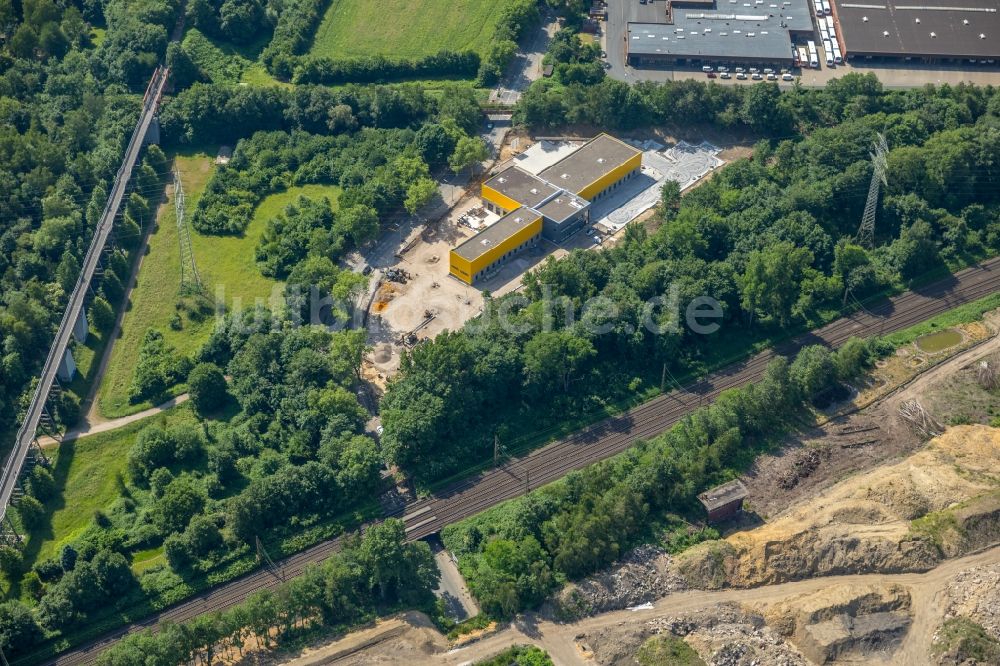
[
  {"x": 592, "y": 444},
  {"x": 458, "y": 601}
]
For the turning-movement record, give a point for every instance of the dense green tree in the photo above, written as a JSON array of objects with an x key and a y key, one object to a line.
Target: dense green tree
[
  {"x": 152, "y": 449},
  {"x": 670, "y": 197},
  {"x": 359, "y": 224},
  {"x": 812, "y": 371},
  {"x": 19, "y": 632},
  {"x": 916, "y": 250},
  {"x": 458, "y": 103},
  {"x": 512, "y": 575},
  {"x": 207, "y": 387},
  {"x": 67, "y": 271},
  {"x": 769, "y": 286},
  {"x": 343, "y": 590},
  {"x": 158, "y": 367},
  {"x": 32, "y": 586},
  {"x": 182, "y": 499},
  {"x": 469, "y": 152},
  {"x": 419, "y": 194},
  {"x": 304, "y": 226},
  {"x": 101, "y": 315},
  {"x": 31, "y": 512},
  {"x": 202, "y": 535},
  {"x": 851, "y": 358},
  {"x": 68, "y": 557},
  {"x": 553, "y": 359},
  {"x": 41, "y": 483},
  {"x": 11, "y": 561}
]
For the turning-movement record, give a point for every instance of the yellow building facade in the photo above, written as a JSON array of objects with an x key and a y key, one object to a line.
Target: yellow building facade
[
  {"x": 564, "y": 191},
  {"x": 499, "y": 200},
  {"x": 514, "y": 232},
  {"x": 608, "y": 180}
]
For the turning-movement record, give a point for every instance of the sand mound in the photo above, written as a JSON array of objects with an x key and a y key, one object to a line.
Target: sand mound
[{"x": 874, "y": 522}]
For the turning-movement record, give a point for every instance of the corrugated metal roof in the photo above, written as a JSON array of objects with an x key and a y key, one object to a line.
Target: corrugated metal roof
[
  {"x": 758, "y": 29},
  {"x": 945, "y": 28}
]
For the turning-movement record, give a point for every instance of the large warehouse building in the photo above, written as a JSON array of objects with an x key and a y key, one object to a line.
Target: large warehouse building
[
  {"x": 955, "y": 31},
  {"x": 725, "y": 32},
  {"x": 553, "y": 205}
]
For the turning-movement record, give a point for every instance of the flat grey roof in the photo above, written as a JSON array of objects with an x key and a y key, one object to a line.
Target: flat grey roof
[
  {"x": 751, "y": 30},
  {"x": 719, "y": 496},
  {"x": 960, "y": 28},
  {"x": 526, "y": 189},
  {"x": 496, "y": 233},
  {"x": 562, "y": 206},
  {"x": 589, "y": 162}
]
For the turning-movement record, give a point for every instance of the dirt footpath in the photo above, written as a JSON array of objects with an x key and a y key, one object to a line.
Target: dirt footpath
[{"x": 409, "y": 638}]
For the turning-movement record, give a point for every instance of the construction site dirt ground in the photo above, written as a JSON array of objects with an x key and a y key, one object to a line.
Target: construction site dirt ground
[
  {"x": 812, "y": 459},
  {"x": 430, "y": 300},
  {"x": 737, "y": 623}
]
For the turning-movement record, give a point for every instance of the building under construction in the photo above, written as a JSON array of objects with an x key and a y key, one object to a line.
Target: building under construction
[{"x": 553, "y": 205}]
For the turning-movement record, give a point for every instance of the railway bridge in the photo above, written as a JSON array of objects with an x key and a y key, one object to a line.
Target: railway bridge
[{"x": 59, "y": 365}]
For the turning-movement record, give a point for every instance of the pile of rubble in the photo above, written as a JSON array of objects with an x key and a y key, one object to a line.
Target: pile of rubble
[
  {"x": 975, "y": 594},
  {"x": 642, "y": 575},
  {"x": 397, "y": 275},
  {"x": 803, "y": 463},
  {"x": 730, "y": 636}
]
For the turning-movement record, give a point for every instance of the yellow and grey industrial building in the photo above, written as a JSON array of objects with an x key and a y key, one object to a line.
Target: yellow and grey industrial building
[{"x": 552, "y": 205}]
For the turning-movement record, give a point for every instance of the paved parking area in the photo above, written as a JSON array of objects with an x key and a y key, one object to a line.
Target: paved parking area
[{"x": 684, "y": 163}]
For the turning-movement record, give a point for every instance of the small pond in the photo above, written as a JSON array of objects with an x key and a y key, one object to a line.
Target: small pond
[{"x": 935, "y": 342}]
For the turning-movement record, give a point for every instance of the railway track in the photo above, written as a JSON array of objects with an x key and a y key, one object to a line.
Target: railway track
[{"x": 597, "y": 442}]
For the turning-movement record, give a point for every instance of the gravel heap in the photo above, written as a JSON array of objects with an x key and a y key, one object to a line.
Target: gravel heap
[
  {"x": 975, "y": 594},
  {"x": 644, "y": 574},
  {"x": 729, "y": 636}
]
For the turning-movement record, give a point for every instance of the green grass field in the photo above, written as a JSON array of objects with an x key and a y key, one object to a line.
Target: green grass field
[
  {"x": 224, "y": 62},
  {"x": 87, "y": 471},
  {"x": 227, "y": 268},
  {"x": 405, "y": 29}
]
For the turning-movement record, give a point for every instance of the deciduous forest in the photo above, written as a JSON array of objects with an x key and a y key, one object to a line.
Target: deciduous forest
[{"x": 273, "y": 445}]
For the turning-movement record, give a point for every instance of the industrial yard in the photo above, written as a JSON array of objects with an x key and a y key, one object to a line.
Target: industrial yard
[{"x": 809, "y": 41}]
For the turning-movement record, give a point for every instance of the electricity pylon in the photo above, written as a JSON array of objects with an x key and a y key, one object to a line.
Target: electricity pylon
[
  {"x": 190, "y": 280},
  {"x": 866, "y": 232}
]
